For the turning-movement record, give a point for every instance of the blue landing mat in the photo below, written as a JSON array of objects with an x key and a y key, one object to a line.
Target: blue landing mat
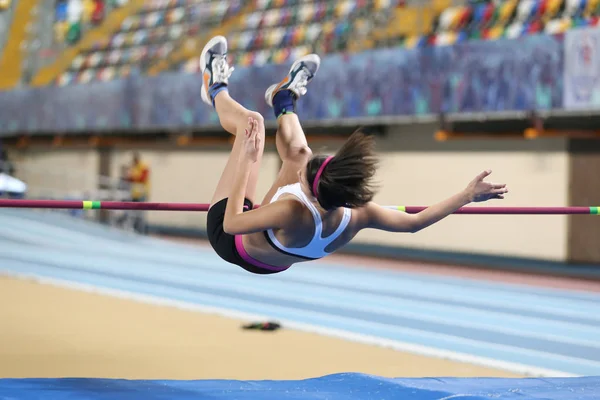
[{"x": 335, "y": 387}]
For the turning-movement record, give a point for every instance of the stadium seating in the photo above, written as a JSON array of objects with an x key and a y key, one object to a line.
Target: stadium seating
[
  {"x": 4, "y": 19},
  {"x": 511, "y": 19},
  {"x": 4, "y": 22},
  {"x": 276, "y": 31},
  {"x": 148, "y": 36},
  {"x": 72, "y": 17},
  {"x": 280, "y": 30}
]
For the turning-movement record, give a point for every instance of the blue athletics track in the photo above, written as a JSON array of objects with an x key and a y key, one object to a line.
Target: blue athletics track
[{"x": 547, "y": 338}]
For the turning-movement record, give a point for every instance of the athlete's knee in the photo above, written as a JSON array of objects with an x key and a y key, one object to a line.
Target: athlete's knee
[
  {"x": 256, "y": 116},
  {"x": 243, "y": 123}
]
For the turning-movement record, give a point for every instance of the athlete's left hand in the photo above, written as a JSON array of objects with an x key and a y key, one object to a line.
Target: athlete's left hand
[
  {"x": 252, "y": 140},
  {"x": 480, "y": 190}
]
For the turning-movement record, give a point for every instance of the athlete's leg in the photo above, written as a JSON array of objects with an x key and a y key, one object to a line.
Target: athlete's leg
[
  {"x": 293, "y": 150},
  {"x": 291, "y": 142},
  {"x": 232, "y": 115}
]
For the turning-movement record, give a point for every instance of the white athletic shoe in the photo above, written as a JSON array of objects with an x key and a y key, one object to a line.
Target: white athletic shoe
[
  {"x": 301, "y": 73},
  {"x": 214, "y": 66}
]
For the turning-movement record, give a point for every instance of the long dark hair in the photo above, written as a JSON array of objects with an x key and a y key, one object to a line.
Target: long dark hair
[{"x": 347, "y": 178}]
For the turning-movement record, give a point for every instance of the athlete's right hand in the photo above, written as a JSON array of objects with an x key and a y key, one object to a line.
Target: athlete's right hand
[
  {"x": 252, "y": 140},
  {"x": 479, "y": 190}
]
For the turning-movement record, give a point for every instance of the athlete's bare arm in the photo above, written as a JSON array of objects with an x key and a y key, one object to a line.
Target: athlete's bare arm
[
  {"x": 395, "y": 221},
  {"x": 277, "y": 215}
]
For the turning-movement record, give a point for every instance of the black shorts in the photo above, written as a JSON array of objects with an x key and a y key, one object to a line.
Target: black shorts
[{"x": 225, "y": 244}]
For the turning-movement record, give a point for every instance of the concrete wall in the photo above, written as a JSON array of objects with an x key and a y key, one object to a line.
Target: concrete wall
[{"x": 57, "y": 170}]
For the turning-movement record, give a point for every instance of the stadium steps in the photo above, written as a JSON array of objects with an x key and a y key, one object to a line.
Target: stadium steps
[
  {"x": 112, "y": 23},
  {"x": 12, "y": 56},
  {"x": 192, "y": 47},
  {"x": 411, "y": 21}
]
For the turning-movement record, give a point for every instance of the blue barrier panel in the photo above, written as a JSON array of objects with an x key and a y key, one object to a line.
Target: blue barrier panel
[
  {"x": 477, "y": 76},
  {"x": 335, "y": 387}
]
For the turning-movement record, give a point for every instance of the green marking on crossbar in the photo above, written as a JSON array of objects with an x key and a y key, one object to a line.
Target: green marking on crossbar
[{"x": 92, "y": 205}]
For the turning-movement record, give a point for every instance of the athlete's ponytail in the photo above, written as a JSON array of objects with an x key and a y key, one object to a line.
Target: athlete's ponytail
[{"x": 345, "y": 179}]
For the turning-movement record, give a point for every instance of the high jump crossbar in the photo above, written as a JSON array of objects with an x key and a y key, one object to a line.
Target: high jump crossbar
[{"x": 199, "y": 207}]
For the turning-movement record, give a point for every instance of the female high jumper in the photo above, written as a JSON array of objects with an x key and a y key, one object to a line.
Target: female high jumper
[{"x": 317, "y": 203}]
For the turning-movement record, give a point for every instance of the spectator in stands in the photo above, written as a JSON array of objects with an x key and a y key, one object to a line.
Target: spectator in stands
[
  {"x": 139, "y": 178},
  {"x": 123, "y": 184}
]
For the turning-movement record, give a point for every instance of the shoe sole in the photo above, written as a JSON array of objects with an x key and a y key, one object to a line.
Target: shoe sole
[
  {"x": 310, "y": 57},
  {"x": 208, "y": 46}
]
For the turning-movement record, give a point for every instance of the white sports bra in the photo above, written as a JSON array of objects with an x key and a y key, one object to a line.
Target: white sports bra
[{"x": 316, "y": 248}]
